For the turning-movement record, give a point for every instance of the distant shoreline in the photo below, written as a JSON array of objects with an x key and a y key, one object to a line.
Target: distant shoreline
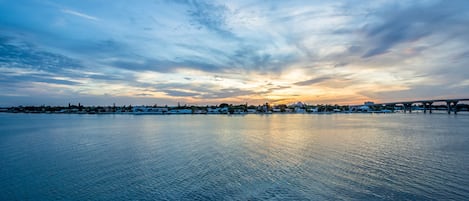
[{"x": 230, "y": 109}]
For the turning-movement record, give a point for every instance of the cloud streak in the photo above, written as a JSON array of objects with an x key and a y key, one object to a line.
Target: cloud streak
[
  {"x": 312, "y": 81},
  {"x": 79, "y": 14}
]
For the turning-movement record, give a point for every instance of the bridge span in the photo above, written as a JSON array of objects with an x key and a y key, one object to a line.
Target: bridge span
[{"x": 427, "y": 104}]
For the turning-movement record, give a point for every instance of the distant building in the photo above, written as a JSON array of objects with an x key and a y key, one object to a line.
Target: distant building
[
  {"x": 218, "y": 110},
  {"x": 149, "y": 110},
  {"x": 366, "y": 107},
  {"x": 299, "y": 110},
  {"x": 299, "y": 107}
]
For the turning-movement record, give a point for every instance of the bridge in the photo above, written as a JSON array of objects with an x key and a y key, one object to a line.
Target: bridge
[{"x": 427, "y": 104}]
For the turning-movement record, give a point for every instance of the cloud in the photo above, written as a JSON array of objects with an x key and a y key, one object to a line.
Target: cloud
[
  {"x": 101, "y": 47},
  {"x": 144, "y": 94},
  {"x": 36, "y": 78},
  {"x": 79, "y": 14},
  {"x": 227, "y": 93},
  {"x": 20, "y": 54},
  {"x": 21, "y": 61},
  {"x": 209, "y": 16},
  {"x": 109, "y": 77},
  {"x": 179, "y": 93},
  {"x": 165, "y": 66},
  {"x": 275, "y": 88},
  {"x": 396, "y": 24},
  {"x": 203, "y": 91},
  {"x": 312, "y": 81},
  {"x": 252, "y": 58}
]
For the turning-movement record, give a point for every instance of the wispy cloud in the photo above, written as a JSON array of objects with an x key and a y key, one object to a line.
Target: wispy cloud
[
  {"x": 210, "y": 16},
  {"x": 312, "y": 81},
  {"x": 79, "y": 14}
]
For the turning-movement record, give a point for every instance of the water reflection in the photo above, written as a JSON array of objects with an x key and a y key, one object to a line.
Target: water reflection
[{"x": 300, "y": 157}]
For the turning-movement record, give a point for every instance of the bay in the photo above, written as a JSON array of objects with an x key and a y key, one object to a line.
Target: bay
[{"x": 237, "y": 157}]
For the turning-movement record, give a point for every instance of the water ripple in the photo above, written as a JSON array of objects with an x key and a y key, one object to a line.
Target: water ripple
[{"x": 251, "y": 157}]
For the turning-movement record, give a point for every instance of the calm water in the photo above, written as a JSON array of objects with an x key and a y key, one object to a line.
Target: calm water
[{"x": 250, "y": 157}]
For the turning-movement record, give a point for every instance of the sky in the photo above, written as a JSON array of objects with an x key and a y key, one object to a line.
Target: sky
[{"x": 100, "y": 52}]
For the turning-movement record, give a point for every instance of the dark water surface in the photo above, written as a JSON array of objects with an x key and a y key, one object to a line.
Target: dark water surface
[{"x": 250, "y": 157}]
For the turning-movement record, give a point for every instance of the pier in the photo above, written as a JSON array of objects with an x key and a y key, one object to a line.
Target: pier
[{"x": 451, "y": 104}]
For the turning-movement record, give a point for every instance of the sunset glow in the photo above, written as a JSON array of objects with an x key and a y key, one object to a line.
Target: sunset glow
[{"x": 208, "y": 52}]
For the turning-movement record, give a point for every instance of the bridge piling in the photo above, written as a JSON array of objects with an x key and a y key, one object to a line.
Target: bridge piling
[
  {"x": 427, "y": 105},
  {"x": 451, "y": 105},
  {"x": 448, "y": 106},
  {"x": 408, "y": 106}
]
